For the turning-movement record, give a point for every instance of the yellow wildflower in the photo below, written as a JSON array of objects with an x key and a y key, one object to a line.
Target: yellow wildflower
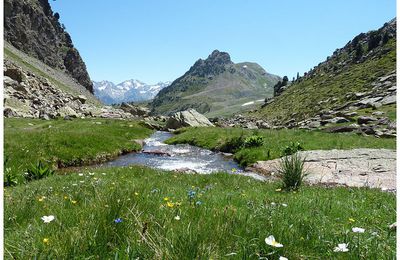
[
  {"x": 46, "y": 241},
  {"x": 170, "y": 204},
  {"x": 166, "y": 199},
  {"x": 41, "y": 199},
  {"x": 74, "y": 201},
  {"x": 65, "y": 197},
  {"x": 136, "y": 194},
  {"x": 352, "y": 220}
]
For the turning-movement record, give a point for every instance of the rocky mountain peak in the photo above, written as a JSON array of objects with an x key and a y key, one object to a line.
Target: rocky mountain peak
[
  {"x": 215, "y": 64},
  {"x": 219, "y": 57}
]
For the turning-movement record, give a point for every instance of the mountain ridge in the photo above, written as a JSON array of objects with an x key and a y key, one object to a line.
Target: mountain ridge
[{"x": 132, "y": 90}]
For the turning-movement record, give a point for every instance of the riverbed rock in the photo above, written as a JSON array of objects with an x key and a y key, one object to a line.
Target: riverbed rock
[
  {"x": 375, "y": 168},
  {"x": 157, "y": 152},
  {"x": 187, "y": 118}
]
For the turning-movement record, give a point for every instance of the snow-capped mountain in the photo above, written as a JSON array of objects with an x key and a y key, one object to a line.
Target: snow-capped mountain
[{"x": 128, "y": 91}]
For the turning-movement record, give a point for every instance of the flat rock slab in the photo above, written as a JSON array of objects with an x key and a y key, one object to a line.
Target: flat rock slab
[{"x": 374, "y": 168}]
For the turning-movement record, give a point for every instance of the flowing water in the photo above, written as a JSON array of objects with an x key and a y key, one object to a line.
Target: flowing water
[{"x": 180, "y": 157}]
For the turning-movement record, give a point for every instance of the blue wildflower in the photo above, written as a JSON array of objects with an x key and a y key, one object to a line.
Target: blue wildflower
[
  {"x": 191, "y": 194},
  {"x": 118, "y": 220}
]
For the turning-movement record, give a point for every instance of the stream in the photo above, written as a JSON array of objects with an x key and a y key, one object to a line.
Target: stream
[{"x": 180, "y": 157}]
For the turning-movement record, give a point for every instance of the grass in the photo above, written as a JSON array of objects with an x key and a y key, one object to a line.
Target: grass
[
  {"x": 232, "y": 218},
  {"x": 67, "y": 143},
  {"x": 275, "y": 141}
]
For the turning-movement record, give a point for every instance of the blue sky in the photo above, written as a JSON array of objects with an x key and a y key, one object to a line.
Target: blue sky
[{"x": 158, "y": 40}]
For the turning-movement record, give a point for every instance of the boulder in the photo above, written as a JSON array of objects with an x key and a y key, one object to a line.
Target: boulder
[
  {"x": 314, "y": 124},
  {"x": 392, "y": 125},
  {"x": 341, "y": 129},
  {"x": 66, "y": 111},
  {"x": 187, "y": 118},
  {"x": 15, "y": 74},
  {"x": 9, "y": 112},
  {"x": 338, "y": 120},
  {"x": 389, "y": 100},
  {"x": 81, "y": 98},
  {"x": 365, "y": 119},
  {"x": 368, "y": 130},
  {"x": 369, "y": 102},
  {"x": 378, "y": 113}
]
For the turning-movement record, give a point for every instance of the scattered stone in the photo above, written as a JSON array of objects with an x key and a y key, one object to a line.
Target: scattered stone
[
  {"x": 341, "y": 129},
  {"x": 369, "y": 102},
  {"x": 389, "y": 100},
  {"x": 365, "y": 119},
  {"x": 15, "y": 74},
  {"x": 81, "y": 98},
  {"x": 338, "y": 120},
  {"x": 9, "y": 112},
  {"x": 251, "y": 125},
  {"x": 314, "y": 124},
  {"x": 378, "y": 113},
  {"x": 135, "y": 110},
  {"x": 350, "y": 114},
  {"x": 392, "y": 125},
  {"x": 393, "y": 226},
  {"x": 368, "y": 130}
]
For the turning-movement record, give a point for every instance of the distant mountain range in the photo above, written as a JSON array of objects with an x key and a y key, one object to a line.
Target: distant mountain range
[
  {"x": 216, "y": 87},
  {"x": 128, "y": 91}
]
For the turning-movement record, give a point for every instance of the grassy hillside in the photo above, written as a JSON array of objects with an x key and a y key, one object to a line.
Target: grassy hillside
[
  {"x": 222, "y": 139},
  {"x": 328, "y": 84},
  {"x": 138, "y": 213}
]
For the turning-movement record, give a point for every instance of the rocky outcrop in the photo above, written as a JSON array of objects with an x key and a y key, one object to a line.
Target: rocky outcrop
[
  {"x": 375, "y": 168},
  {"x": 187, "y": 118},
  {"x": 32, "y": 27},
  {"x": 32, "y": 96},
  {"x": 135, "y": 110}
]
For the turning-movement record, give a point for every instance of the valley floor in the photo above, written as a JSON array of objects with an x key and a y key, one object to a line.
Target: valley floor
[{"x": 131, "y": 212}]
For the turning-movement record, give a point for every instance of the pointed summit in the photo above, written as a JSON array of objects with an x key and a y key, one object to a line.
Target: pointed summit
[
  {"x": 219, "y": 57},
  {"x": 215, "y": 64}
]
